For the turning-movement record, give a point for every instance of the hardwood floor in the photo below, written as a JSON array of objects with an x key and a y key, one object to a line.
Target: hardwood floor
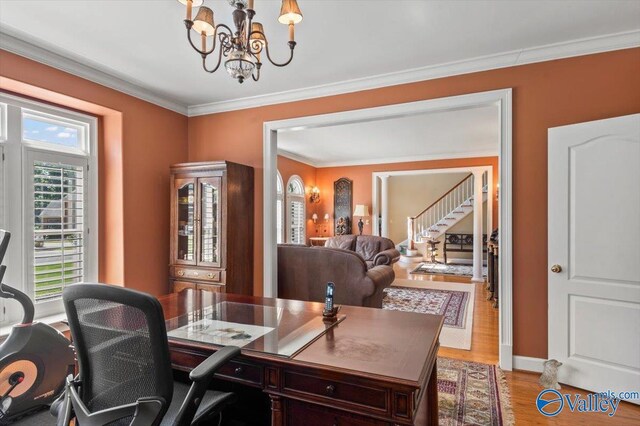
[{"x": 524, "y": 386}]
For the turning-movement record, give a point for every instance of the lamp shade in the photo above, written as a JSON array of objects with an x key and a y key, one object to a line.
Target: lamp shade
[
  {"x": 194, "y": 3},
  {"x": 257, "y": 26},
  {"x": 290, "y": 12},
  {"x": 314, "y": 216},
  {"x": 362, "y": 210},
  {"x": 326, "y": 216},
  {"x": 203, "y": 23}
]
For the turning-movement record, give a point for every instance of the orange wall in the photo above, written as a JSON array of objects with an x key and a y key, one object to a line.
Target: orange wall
[
  {"x": 545, "y": 94},
  {"x": 287, "y": 168},
  {"x": 362, "y": 181},
  {"x": 138, "y": 142}
]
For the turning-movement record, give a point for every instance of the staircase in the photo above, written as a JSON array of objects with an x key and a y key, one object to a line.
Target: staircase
[{"x": 441, "y": 215}]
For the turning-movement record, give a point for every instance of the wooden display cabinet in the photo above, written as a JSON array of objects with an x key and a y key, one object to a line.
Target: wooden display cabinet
[{"x": 211, "y": 245}]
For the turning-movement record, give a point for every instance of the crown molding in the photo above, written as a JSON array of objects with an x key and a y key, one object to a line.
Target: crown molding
[
  {"x": 579, "y": 47},
  {"x": 22, "y": 44},
  {"x": 404, "y": 159}
]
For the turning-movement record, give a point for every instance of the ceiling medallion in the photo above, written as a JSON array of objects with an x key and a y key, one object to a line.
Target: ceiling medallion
[{"x": 242, "y": 49}]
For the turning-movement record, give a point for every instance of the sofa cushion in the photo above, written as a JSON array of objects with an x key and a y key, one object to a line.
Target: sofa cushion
[
  {"x": 344, "y": 242},
  {"x": 367, "y": 247}
]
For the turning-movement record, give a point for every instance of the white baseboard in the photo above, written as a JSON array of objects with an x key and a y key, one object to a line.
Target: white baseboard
[{"x": 528, "y": 363}]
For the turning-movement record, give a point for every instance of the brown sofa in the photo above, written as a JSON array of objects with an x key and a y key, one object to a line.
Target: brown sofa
[
  {"x": 303, "y": 273},
  {"x": 374, "y": 250}
]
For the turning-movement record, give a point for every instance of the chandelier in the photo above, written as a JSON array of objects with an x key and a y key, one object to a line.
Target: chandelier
[{"x": 243, "y": 47}]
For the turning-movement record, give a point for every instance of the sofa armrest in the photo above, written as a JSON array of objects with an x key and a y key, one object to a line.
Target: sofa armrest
[
  {"x": 387, "y": 257},
  {"x": 381, "y": 276}
]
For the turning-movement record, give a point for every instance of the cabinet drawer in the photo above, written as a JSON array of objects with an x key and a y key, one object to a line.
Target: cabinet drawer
[
  {"x": 336, "y": 390},
  {"x": 211, "y": 287},
  {"x": 190, "y": 273},
  {"x": 243, "y": 372},
  {"x": 178, "y": 286},
  {"x": 311, "y": 415}
]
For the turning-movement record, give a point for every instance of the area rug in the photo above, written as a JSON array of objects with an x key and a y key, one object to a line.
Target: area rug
[
  {"x": 428, "y": 268},
  {"x": 451, "y": 336},
  {"x": 471, "y": 393},
  {"x": 450, "y": 303}
]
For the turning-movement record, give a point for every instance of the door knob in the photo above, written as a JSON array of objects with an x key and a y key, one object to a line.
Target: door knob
[{"x": 556, "y": 269}]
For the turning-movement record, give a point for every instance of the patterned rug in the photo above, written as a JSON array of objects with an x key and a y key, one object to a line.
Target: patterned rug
[
  {"x": 427, "y": 268},
  {"x": 470, "y": 393},
  {"x": 451, "y": 304}
]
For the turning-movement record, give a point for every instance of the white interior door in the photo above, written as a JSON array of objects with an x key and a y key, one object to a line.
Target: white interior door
[{"x": 594, "y": 237}]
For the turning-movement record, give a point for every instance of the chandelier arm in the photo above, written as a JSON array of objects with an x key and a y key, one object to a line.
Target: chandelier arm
[
  {"x": 256, "y": 76},
  {"x": 204, "y": 62},
  {"x": 292, "y": 45},
  {"x": 215, "y": 34}
]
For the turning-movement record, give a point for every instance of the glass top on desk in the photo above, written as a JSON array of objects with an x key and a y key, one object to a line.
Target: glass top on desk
[{"x": 276, "y": 330}]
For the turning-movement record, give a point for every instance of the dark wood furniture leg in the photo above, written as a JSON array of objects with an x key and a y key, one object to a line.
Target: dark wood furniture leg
[
  {"x": 277, "y": 411},
  {"x": 432, "y": 396},
  {"x": 496, "y": 285}
]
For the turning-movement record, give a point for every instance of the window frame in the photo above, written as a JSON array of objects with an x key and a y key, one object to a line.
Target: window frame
[
  {"x": 290, "y": 198},
  {"x": 19, "y": 215},
  {"x": 280, "y": 224}
]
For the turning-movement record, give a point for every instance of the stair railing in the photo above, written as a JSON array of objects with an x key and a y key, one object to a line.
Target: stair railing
[{"x": 428, "y": 219}]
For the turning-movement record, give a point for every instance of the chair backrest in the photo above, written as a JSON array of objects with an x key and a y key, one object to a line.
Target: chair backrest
[{"x": 121, "y": 344}]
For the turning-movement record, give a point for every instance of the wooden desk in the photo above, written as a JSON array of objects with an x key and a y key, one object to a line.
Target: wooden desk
[{"x": 375, "y": 368}]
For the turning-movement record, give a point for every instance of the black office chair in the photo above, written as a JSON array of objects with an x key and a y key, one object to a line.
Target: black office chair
[{"x": 125, "y": 375}]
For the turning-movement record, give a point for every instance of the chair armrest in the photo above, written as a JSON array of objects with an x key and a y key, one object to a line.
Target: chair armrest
[
  {"x": 207, "y": 368},
  {"x": 381, "y": 275},
  {"x": 145, "y": 411},
  {"x": 386, "y": 257}
]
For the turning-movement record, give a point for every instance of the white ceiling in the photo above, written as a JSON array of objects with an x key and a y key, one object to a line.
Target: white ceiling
[
  {"x": 143, "y": 41},
  {"x": 472, "y": 132}
]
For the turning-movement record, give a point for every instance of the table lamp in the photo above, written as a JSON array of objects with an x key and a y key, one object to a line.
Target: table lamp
[{"x": 362, "y": 210}]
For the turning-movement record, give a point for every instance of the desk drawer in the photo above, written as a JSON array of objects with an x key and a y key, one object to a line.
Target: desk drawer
[
  {"x": 242, "y": 371},
  {"x": 336, "y": 390},
  {"x": 191, "y": 273},
  {"x": 313, "y": 415}
]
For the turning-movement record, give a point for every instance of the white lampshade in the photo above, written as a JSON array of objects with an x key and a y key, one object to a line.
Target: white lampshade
[
  {"x": 290, "y": 12},
  {"x": 194, "y": 3},
  {"x": 314, "y": 216},
  {"x": 362, "y": 210}
]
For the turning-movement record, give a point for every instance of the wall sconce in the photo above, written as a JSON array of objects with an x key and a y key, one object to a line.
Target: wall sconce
[
  {"x": 326, "y": 217},
  {"x": 497, "y": 191},
  {"x": 315, "y": 195},
  {"x": 314, "y": 217}
]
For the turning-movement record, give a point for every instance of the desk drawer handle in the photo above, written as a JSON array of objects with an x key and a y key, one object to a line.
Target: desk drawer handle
[
  {"x": 330, "y": 389},
  {"x": 210, "y": 274},
  {"x": 238, "y": 371},
  {"x": 180, "y": 273}
]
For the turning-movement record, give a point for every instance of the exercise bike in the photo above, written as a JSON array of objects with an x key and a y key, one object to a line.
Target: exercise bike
[{"x": 35, "y": 358}]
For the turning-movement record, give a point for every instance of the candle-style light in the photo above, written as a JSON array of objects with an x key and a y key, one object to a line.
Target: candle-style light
[{"x": 241, "y": 48}]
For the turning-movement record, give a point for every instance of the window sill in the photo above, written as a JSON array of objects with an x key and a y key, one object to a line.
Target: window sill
[{"x": 51, "y": 319}]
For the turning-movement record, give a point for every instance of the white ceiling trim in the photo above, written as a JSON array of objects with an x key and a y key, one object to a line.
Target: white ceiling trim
[
  {"x": 549, "y": 52},
  {"x": 47, "y": 54},
  {"x": 403, "y": 159},
  {"x": 20, "y": 43}
]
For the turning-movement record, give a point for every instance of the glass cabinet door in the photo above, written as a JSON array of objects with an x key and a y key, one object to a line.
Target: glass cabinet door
[
  {"x": 186, "y": 221},
  {"x": 209, "y": 221}
]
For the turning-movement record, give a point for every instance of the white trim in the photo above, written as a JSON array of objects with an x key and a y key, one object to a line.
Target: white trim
[
  {"x": 387, "y": 160},
  {"x": 501, "y": 98},
  {"x": 22, "y": 44},
  {"x": 526, "y": 363},
  {"x": 567, "y": 49}
]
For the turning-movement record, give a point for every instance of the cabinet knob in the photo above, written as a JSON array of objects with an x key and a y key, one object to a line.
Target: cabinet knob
[
  {"x": 180, "y": 273},
  {"x": 330, "y": 389},
  {"x": 210, "y": 275},
  {"x": 238, "y": 371}
]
